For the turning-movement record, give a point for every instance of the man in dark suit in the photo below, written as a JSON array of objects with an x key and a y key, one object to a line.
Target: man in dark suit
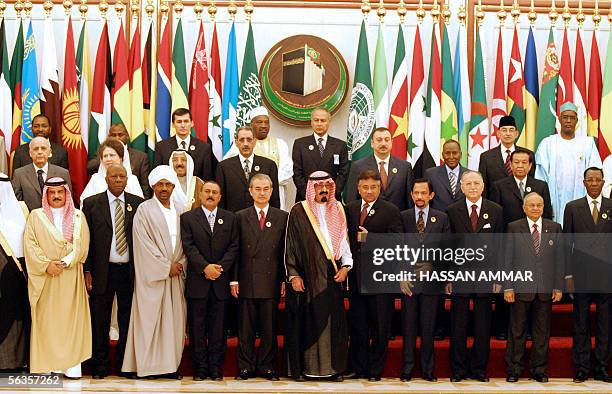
[
  {"x": 211, "y": 242},
  {"x": 396, "y": 175},
  {"x": 234, "y": 173},
  {"x": 28, "y": 181},
  {"x": 319, "y": 152},
  {"x": 445, "y": 178},
  {"x": 587, "y": 223},
  {"x": 534, "y": 247},
  {"x": 473, "y": 215},
  {"x": 258, "y": 280},
  {"x": 139, "y": 162},
  {"x": 424, "y": 226},
  {"x": 495, "y": 164},
  {"x": 370, "y": 314},
  {"x": 41, "y": 127},
  {"x": 199, "y": 150},
  {"x": 109, "y": 269}
]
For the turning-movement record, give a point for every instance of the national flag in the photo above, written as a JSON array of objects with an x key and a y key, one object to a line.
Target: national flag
[
  {"x": 230, "y": 94},
  {"x": 249, "y": 96},
  {"x": 398, "y": 116},
  {"x": 16, "y": 70},
  {"x": 498, "y": 106},
  {"x": 532, "y": 92},
  {"x": 71, "y": 122},
  {"x": 417, "y": 119},
  {"x": 100, "y": 119},
  {"x": 565, "y": 87},
  {"x": 6, "y": 99},
  {"x": 547, "y": 110},
  {"x": 580, "y": 86},
  {"x": 148, "y": 87},
  {"x": 50, "y": 95},
  {"x": 462, "y": 93},
  {"x": 516, "y": 86},
  {"x": 179, "y": 72},
  {"x": 448, "y": 108},
  {"x": 29, "y": 87},
  {"x": 84, "y": 82},
  {"x": 479, "y": 123},
  {"x": 136, "y": 127},
  {"x": 120, "y": 94},
  {"x": 380, "y": 82},
  {"x": 361, "y": 118},
  {"x": 594, "y": 97},
  {"x": 163, "y": 102},
  {"x": 605, "y": 116},
  {"x": 433, "y": 127},
  {"x": 215, "y": 131},
  {"x": 198, "y": 88}
]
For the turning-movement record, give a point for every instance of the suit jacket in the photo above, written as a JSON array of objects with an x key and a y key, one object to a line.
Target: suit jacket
[
  {"x": 98, "y": 213},
  {"x": 588, "y": 255},
  {"x": 383, "y": 217},
  {"x": 399, "y": 181},
  {"x": 492, "y": 167},
  {"x": 235, "y": 187},
  {"x": 199, "y": 150},
  {"x": 260, "y": 268},
  {"x": 203, "y": 246},
  {"x": 27, "y": 189},
  {"x": 139, "y": 163},
  {"x": 59, "y": 156},
  {"x": 506, "y": 193},
  {"x": 547, "y": 268},
  {"x": 307, "y": 159},
  {"x": 441, "y": 186}
]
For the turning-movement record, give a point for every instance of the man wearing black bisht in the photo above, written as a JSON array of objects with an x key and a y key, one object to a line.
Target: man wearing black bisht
[{"x": 317, "y": 260}]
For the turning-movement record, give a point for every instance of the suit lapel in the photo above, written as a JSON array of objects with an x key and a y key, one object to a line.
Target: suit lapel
[
  {"x": 204, "y": 219},
  {"x": 514, "y": 187},
  {"x": 371, "y": 212},
  {"x": 106, "y": 210},
  {"x": 526, "y": 231},
  {"x": 586, "y": 214},
  {"x": 253, "y": 220},
  {"x": 327, "y": 153},
  {"x": 465, "y": 217},
  {"x": 390, "y": 173},
  {"x": 32, "y": 177},
  {"x": 443, "y": 175},
  {"x": 482, "y": 220},
  {"x": 498, "y": 158},
  {"x": 235, "y": 161}
]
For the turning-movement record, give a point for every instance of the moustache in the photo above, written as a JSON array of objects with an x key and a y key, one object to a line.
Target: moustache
[{"x": 57, "y": 199}]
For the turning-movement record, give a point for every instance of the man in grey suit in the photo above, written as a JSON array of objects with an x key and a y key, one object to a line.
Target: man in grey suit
[
  {"x": 41, "y": 127},
  {"x": 444, "y": 179},
  {"x": 396, "y": 175},
  {"x": 28, "y": 181}
]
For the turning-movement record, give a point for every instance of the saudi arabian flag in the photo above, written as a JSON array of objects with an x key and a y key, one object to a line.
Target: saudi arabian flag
[
  {"x": 448, "y": 107},
  {"x": 249, "y": 94},
  {"x": 547, "y": 110},
  {"x": 381, "y": 82}
]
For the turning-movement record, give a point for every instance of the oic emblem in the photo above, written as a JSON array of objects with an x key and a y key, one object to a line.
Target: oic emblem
[
  {"x": 301, "y": 73},
  {"x": 361, "y": 117}
]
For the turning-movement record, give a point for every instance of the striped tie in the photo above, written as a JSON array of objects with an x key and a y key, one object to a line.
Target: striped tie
[
  {"x": 120, "y": 240},
  {"x": 452, "y": 179},
  {"x": 536, "y": 239},
  {"x": 507, "y": 163}
]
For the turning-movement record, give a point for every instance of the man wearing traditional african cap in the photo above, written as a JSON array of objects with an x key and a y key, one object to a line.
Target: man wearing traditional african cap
[
  {"x": 14, "y": 305},
  {"x": 317, "y": 261},
  {"x": 561, "y": 160},
  {"x": 157, "y": 323},
  {"x": 56, "y": 242}
]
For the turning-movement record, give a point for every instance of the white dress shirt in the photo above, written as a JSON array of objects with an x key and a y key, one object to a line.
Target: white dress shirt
[
  {"x": 469, "y": 206},
  {"x": 503, "y": 150},
  {"x": 379, "y": 160},
  {"x": 45, "y": 169},
  {"x": 179, "y": 140},
  {"x": 113, "y": 256},
  {"x": 324, "y": 136},
  {"x": 250, "y": 158}
]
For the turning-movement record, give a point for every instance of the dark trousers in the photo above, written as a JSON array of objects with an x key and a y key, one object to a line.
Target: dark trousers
[
  {"x": 119, "y": 282},
  {"x": 582, "y": 332},
  {"x": 257, "y": 315},
  {"x": 207, "y": 337},
  {"x": 501, "y": 315},
  {"x": 463, "y": 363},
  {"x": 294, "y": 307},
  {"x": 541, "y": 311},
  {"x": 370, "y": 320},
  {"x": 421, "y": 308}
]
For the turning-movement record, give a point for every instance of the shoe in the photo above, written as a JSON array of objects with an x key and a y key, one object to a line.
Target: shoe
[
  {"x": 456, "y": 378},
  {"x": 174, "y": 375},
  {"x": 512, "y": 378},
  {"x": 429, "y": 378},
  {"x": 270, "y": 375},
  {"x": 374, "y": 379},
  {"x": 216, "y": 375},
  {"x": 127, "y": 375},
  {"x": 501, "y": 336},
  {"x": 603, "y": 377},
  {"x": 337, "y": 378},
  {"x": 299, "y": 378},
  {"x": 540, "y": 377},
  {"x": 439, "y": 335},
  {"x": 353, "y": 375},
  {"x": 97, "y": 376},
  {"x": 481, "y": 378},
  {"x": 581, "y": 377},
  {"x": 244, "y": 374},
  {"x": 406, "y": 377},
  {"x": 198, "y": 378}
]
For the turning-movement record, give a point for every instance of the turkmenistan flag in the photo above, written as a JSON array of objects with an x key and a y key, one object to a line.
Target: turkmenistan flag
[
  {"x": 249, "y": 95},
  {"x": 381, "y": 82},
  {"x": 84, "y": 82},
  {"x": 198, "y": 87},
  {"x": 361, "y": 109},
  {"x": 462, "y": 93},
  {"x": 547, "y": 110},
  {"x": 179, "y": 73},
  {"x": 136, "y": 127},
  {"x": 448, "y": 107},
  {"x": 605, "y": 117},
  {"x": 479, "y": 123},
  {"x": 100, "y": 119},
  {"x": 120, "y": 95},
  {"x": 398, "y": 116}
]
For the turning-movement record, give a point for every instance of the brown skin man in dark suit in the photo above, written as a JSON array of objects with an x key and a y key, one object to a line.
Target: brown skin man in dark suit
[
  {"x": 41, "y": 127},
  {"x": 258, "y": 280},
  {"x": 534, "y": 245}
]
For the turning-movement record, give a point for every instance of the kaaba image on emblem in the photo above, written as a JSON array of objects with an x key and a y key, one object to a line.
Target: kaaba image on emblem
[{"x": 302, "y": 71}]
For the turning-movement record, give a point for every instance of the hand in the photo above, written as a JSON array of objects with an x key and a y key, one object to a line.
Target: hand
[
  {"x": 448, "y": 289},
  {"x": 569, "y": 285},
  {"x": 362, "y": 234},
  {"x": 556, "y": 295},
  {"x": 175, "y": 269},
  {"x": 55, "y": 268},
  {"x": 88, "y": 284},
  {"x": 212, "y": 271},
  {"x": 496, "y": 288},
  {"x": 509, "y": 296},
  {"x": 283, "y": 290},
  {"x": 341, "y": 274},
  {"x": 298, "y": 284},
  {"x": 406, "y": 287},
  {"x": 235, "y": 291}
]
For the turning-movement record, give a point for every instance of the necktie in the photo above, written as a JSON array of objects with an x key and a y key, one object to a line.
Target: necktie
[
  {"x": 41, "y": 181},
  {"x": 474, "y": 217},
  {"x": 507, "y": 163},
  {"x": 522, "y": 189},
  {"x": 383, "y": 175},
  {"x": 183, "y": 145},
  {"x": 320, "y": 145},
  {"x": 364, "y": 213},
  {"x": 211, "y": 221},
  {"x": 420, "y": 225},
  {"x": 120, "y": 240},
  {"x": 536, "y": 239},
  {"x": 595, "y": 212},
  {"x": 247, "y": 171},
  {"x": 262, "y": 219},
  {"x": 452, "y": 179}
]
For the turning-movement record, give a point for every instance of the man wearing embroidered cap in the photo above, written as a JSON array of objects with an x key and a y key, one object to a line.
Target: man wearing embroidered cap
[
  {"x": 317, "y": 261},
  {"x": 562, "y": 158},
  {"x": 157, "y": 324},
  {"x": 56, "y": 243}
]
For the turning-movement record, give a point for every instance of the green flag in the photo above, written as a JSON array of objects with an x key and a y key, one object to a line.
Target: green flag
[
  {"x": 381, "y": 82},
  {"x": 179, "y": 72},
  {"x": 547, "y": 110},
  {"x": 249, "y": 93},
  {"x": 448, "y": 108}
]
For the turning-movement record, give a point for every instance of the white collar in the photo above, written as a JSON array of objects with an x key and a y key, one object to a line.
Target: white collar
[
  {"x": 179, "y": 140},
  {"x": 112, "y": 198},
  {"x": 207, "y": 212},
  {"x": 538, "y": 223},
  {"x": 264, "y": 209},
  {"x": 242, "y": 158},
  {"x": 590, "y": 201},
  {"x": 316, "y": 137},
  {"x": 370, "y": 204},
  {"x": 478, "y": 204},
  {"x": 504, "y": 149},
  {"x": 45, "y": 168},
  {"x": 378, "y": 159}
]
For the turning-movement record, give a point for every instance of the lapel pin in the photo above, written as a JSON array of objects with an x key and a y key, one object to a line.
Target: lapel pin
[
  {"x": 310, "y": 147},
  {"x": 581, "y": 157},
  {"x": 394, "y": 170},
  {"x": 485, "y": 216},
  {"x": 372, "y": 212},
  {"x": 528, "y": 189},
  {"x": 220, "y": 221},
  {"x": 433, "y": 219},
  {"x": 192, "y": 147},
  {"x": 551, "y": 242},
  {"x": 129, "y": 208},
  {"x": 604, "y": 216},
  {"x": 256, "y": 168},
  {"x": 268, "y": 224}
]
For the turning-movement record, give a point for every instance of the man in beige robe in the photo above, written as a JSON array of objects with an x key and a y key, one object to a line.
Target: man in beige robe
[
  {"x": 185, "y": 194},
  {"x": 56, "y": 242},
  {"x": 157, "y": 325}
]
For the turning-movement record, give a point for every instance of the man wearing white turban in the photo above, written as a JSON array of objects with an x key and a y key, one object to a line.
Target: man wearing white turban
[{"x": 186, "y": 192}]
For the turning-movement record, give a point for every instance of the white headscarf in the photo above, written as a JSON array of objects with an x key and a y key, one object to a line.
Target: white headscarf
[
  {"x": 163, "y": 172},
  {"x": 12, "y": 221},
  {"x": 179, "y": 196}
]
